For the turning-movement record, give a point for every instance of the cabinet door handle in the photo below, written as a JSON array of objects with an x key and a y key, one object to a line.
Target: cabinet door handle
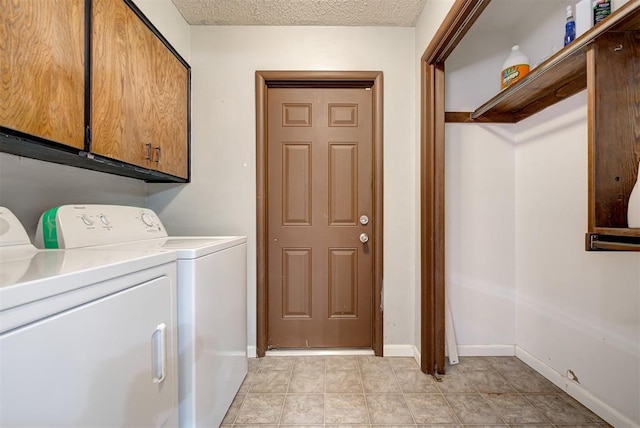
[
  {"x": 147, "y": 148},
  {"x": 159, "y": 353},
  {"x": 158, "y": 154}
]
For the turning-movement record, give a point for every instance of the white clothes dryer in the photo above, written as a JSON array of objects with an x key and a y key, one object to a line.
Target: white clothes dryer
[
  {"x": 87, "y": 338},
  {"x": 212, "y": 296}
]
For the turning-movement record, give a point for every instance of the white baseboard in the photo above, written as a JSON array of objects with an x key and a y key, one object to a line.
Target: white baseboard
[
  {"x": 251, "y": 352},
  {"x": 486, "y": 350},
  {"x": 417, "y": 356},
  {"x": 398, "y": 350},
  {"x": 577, "y": 391}
]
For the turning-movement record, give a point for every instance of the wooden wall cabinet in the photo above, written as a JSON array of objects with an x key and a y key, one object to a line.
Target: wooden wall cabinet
[
  {"x": 139, "y": 93},
  {"x": 42, "y": 69},
  {"x": 105, "y": 90},
  {"x": 613, "y": 64}
]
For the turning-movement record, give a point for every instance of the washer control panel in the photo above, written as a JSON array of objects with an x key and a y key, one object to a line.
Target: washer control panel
[{"x": 77, "y": 226}]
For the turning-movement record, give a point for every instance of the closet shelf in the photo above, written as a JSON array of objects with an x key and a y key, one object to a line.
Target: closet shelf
[{"x": 559, "y": 77}]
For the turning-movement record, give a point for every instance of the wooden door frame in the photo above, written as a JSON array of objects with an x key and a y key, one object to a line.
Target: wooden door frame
[
  {"x": 345, "y": 79},
  {"x": 458, "y": 21}
]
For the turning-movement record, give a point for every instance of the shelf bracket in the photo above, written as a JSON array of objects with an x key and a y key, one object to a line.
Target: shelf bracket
[{"x": 598, "y": 242}]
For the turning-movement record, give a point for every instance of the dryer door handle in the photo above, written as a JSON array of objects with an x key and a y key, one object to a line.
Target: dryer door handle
[{"x": 159, "y": 353}]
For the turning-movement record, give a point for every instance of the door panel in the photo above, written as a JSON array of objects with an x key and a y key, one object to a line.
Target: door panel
[
  {"x": 319, "y": 162},
  {"x": 42, "y": 69}
]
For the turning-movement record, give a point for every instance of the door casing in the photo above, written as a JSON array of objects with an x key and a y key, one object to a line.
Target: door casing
[{"x": 264, "y": 80}]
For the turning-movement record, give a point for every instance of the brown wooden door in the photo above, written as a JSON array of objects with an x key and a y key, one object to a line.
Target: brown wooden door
[
  {"x": 139, "y": 93},
  {"x": 319, "y": 166},
  {"x": 42, "y": 69}
]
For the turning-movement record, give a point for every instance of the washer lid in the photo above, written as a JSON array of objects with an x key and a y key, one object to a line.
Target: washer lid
[
  {"x": 51, "y": 272},
  {"x": 185, "y": 247}
]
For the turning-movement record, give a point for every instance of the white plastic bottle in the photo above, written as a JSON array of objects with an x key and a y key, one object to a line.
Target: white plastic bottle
[
  {"x": 514, "y": 68},
  {"x": 633, "y": 209}
]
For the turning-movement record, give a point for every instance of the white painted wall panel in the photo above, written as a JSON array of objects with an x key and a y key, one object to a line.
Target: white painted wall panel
[{"x": 576, "y": 310}]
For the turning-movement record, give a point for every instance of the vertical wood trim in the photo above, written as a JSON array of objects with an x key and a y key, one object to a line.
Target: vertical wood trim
[
  {"x": 262, "y": 299},
  {"x": 458, "y": 21},
  {"x": 432, "y": 219},
  {"x": 427, "y": 217},
  {"x": 591, "y": 80},
  {"x": 439, "y": 216},
  {"x": 378, "y": 337},
  {"x": 317, "y": 78}
]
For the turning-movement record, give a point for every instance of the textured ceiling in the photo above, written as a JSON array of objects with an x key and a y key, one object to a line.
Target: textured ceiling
[{"x": 395, "y": 13}]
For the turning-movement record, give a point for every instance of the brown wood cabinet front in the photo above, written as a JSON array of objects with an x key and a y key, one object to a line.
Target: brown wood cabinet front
[
  {"x": 42, "y": 69},
  {"x": 139, "y": 93},
  {"x": 614, "y": 134}
]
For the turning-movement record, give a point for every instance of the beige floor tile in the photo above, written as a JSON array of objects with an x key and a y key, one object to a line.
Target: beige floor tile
[
  {"x": 311, "y": 364},
  {"x": 507, "y": 364},
  {"x": 307, "y": 382},
  {"x": 254, "y": 426},
  {"x": 529, "y": 381},
  {"x": 392, "y": 426},
  {"x": 512, "y": 408},
  {"x": 303, "y": 409},
  {"x": 415, "y": 381},
  {"x": 346, "y": 426},
  {"x": 230, "y": 417},
  {"x": 341, "y": 362},
  {"x": 384, "y": 381},
  {"x": 343, "y": 381},
  {"x": 368, "y": 392},
  {"x": 371, "y": 363},
  {"x": 260, "y": 409},
  {"x": 489, "y": 381},
  {"x": 467, "y": 364},
  {"x": 277, "y": 363},
  {"x": 254, "y": 364},
  {"x": 403, "y": 363},
  {"x": 558, "y": 409},
  {"x": 455, "y": 382},
  {"x": 246, "y": 383},
  {"x": 473, "y": 409},
  {"x": 440, "y": 426},
  {"x": 270, "y": 381},
  {"x": 430, "y": 409},
  {"x": 388, "y": 409},
  {"x": 345, "y": 409}
]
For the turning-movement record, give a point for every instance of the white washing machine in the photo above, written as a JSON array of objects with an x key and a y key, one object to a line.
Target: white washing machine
[
  {"x": 87, "y": 338},
  {"x": 212, "y": 296}
]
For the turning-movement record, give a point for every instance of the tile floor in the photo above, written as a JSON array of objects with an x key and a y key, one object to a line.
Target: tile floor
[{"x": 367, "y": 391}]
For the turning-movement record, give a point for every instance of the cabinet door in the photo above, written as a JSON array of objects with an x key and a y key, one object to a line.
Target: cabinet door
[
  {"x": 170, "y": 101},
  {"x": 139, "y": 93},
  {"x": 95, "y": 365},
  {"x": 42, "y": 69}
]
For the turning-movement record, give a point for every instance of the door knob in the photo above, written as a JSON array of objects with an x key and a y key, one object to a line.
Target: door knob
[
  {"x": 364, "y": 238},
  {"x": 364, "y": 220}
]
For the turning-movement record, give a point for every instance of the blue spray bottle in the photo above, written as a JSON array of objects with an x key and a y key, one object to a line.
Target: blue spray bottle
[{"x": 569, "y": 27}]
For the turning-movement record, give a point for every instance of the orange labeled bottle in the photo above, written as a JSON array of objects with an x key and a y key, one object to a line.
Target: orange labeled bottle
[{"x": 514, "y": 68}]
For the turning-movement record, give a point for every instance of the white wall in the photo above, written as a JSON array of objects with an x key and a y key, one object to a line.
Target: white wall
[
  {"x": 29, "y": 187},
  {"x": 479, "y": 203},
  {"x": 166, "y": 18},
  {"x": 576, "y": 310},
  {"x": 427, "y": 24},
  {"x": 221, "y": 197}
]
